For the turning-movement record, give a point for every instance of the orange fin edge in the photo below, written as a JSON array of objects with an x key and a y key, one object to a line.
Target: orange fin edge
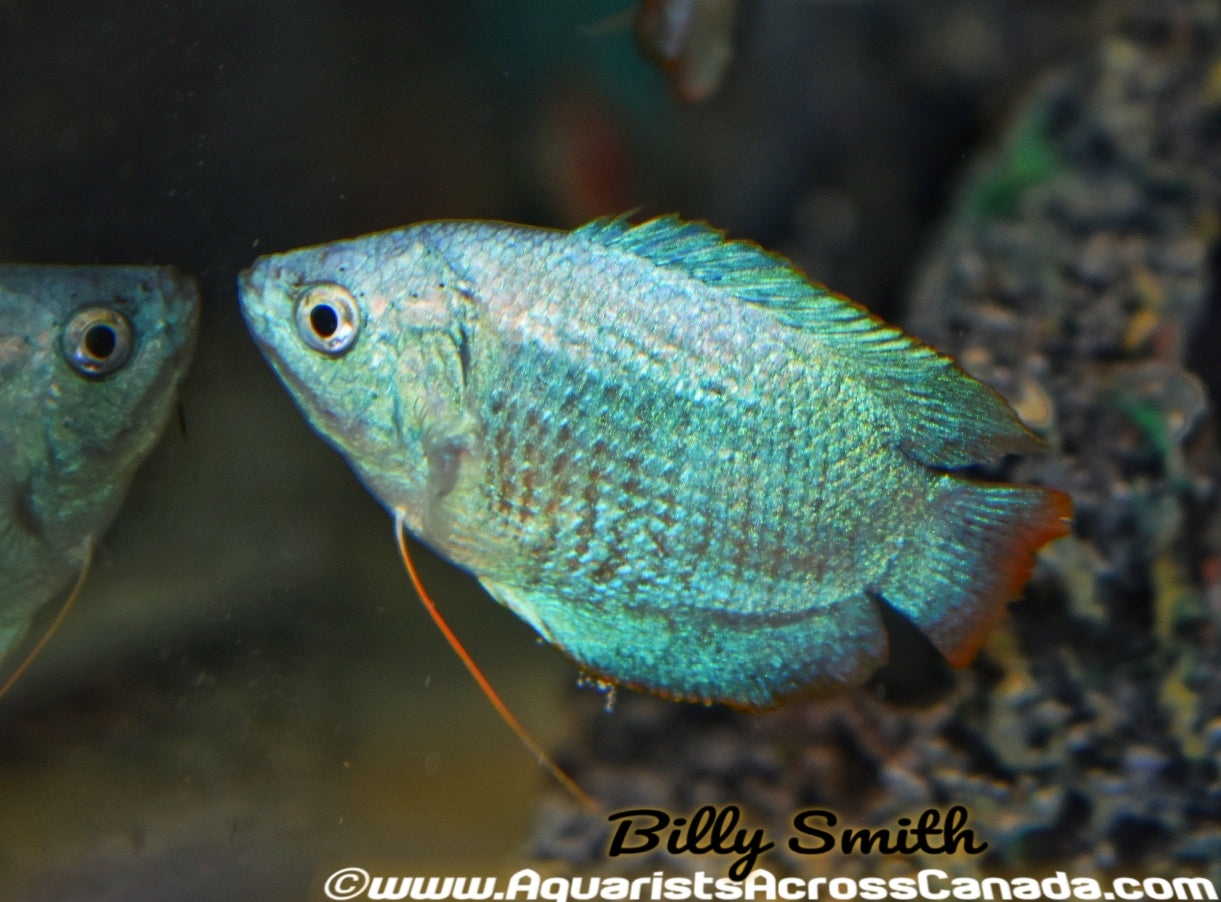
[{"x": 1016, "y": 570}]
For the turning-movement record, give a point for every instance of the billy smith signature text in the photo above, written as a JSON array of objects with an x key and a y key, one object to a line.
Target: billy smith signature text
[{"x": 716, "y": 830}]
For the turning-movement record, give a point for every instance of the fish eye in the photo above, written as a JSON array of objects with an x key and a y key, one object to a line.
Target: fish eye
[
  {"x": 328, "y": 319},
  {"x": 97, "y": 341}
]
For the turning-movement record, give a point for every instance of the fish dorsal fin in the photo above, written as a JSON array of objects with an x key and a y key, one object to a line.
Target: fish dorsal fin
[{"x": 934, "y": 411}]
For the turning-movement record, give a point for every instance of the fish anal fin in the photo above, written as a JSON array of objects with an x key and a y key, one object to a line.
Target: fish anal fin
[{"x": 751, "y": 659}]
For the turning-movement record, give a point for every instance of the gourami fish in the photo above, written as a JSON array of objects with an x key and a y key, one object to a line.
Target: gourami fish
[
  {"x": 90, "y": 361},
  {"x": 679, "y": 460}
]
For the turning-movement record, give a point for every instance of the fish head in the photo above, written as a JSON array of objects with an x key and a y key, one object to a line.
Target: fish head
[
  {"x": 91, "y": 363},
  {"x": 367, "y": 336}
]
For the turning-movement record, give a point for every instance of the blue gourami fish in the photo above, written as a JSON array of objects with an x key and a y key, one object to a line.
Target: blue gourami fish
[
  {"x": 90, "y": 361},
  {"x": 678, "y": 459}
]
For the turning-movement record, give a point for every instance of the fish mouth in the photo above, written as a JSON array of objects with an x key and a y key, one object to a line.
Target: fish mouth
[
  {"x": 245, "y": 283},
  {"x": 267, "y": 329},
  {"x": 250, "y": 287},
  {"x": 189, "y": 303},
  {"x": 251, "y": 284}
]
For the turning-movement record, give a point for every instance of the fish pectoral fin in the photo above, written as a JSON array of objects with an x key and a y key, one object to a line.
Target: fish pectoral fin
[{"x": 520, "y": 602}]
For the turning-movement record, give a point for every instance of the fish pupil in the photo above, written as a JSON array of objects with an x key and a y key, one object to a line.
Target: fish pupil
[
  {"x": 324, "y": 320},
  {"x": 100, "y": 342}
]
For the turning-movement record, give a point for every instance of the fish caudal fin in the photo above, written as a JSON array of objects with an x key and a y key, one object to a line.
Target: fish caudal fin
[
  {"x": 502, "y": 709},
  {"x": 975, "y": 554}
]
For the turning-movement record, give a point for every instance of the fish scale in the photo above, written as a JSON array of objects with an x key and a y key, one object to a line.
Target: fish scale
[
  {"x": 728, "y": 564},
  {"x": 679, "y": 460},
  {"x": 615, "y": 496}
]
